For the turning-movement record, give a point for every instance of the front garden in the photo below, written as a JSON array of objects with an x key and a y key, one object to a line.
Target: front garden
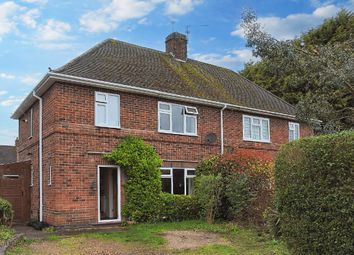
[
  {"x": 152, "y": 238},
  {"x": 240, "y": 205}
]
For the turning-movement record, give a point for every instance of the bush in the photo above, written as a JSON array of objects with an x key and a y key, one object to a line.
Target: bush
[
  {"x": 178, "y": 207},
  {"x": 6, "y": 213},
  {"x": 246, "y": 184},
  {"x": 208, "y": 191},
  {"x": 314, "y": 194},
  {"x": 141, "y": 164},
  {"x": 6, "y": 233}
]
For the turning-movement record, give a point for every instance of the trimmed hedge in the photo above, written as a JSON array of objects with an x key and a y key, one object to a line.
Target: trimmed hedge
[
  {"x": 178, "y": 207},
  {"x": 314, "y": 194},
  {"x": 6, "y": 213}
]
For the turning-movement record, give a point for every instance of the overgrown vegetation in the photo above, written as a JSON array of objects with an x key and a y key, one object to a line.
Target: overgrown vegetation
[
  {"x": 314, "y": 71},
  {"x": 141, "y": 164},
  {"x": 6, "y": 213},
  {"x": 314, "y": 195},
  {"x": 236, "y": 187}
]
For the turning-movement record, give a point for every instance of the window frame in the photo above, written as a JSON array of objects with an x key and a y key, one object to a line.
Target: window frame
[
  {"x": 170, "y": 176},
  {"x": 261, "y": 140},
  {"x": 105, "y": 102},
  {"x": 30, "y": 135},
  {"x": 294, "y": 129},
  {"x": 185, "y": 115}
]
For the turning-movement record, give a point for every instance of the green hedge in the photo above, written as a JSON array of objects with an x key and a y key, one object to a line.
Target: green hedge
[
  {"x": 178, "y": 207},
  {"x": 141, "y": 164},
  {"x": 6, "y": 213},
  {"x": 314, "y": 194}
]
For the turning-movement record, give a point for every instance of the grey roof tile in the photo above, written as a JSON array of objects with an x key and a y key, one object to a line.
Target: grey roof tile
[{"x": 124, "y": 63}]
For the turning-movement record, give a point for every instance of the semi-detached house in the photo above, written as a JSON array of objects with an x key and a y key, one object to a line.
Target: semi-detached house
[{"x": 186, "y": 109}]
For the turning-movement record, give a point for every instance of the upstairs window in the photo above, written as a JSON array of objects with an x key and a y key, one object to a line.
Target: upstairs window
[
  {"x": 107, "y": 110},
  {"x": 178, "y": 181},
  {"x": 177, "y": 119},
  {"x": 30, "y": 123},
  {"x": 294, "y": 131},
  {"x": 256, "y": 129}
]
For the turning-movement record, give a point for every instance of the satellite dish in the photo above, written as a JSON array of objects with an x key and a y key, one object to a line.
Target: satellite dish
[{"x": 211, "y": 137}]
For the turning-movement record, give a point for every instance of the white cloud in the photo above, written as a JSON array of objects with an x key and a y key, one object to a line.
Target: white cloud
[
  {"x": 54, "y": 30},
  {"x": 35, "y": 1},
  {"x": 229, "y": 60},
  {"x": 143, "y": 21},
  {"x": 180, "y": 7},
  {"x": 109, "y": 16},
  {"x": 294, "y": 24},
  {"x": 3, "y": 92},
  {"x": 29, "y": 18},
  {"x": 29, "y": 79},
  {"x": 55, "y": 46},
  {"x": 7, "y": 12},
  {"x": 7, "y": 76},
  {"x": 8, "y": 136},
  {"x": 11, "y": 101}
]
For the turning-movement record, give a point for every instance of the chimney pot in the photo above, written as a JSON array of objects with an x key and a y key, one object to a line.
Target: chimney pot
[{"x": 176, "y": 44}]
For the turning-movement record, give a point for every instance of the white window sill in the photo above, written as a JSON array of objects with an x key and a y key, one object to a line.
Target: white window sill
[
  {"x": 104, "y": 126},
  {"x": 257, "y": 141},
  {"x": 174, "y": 133}
]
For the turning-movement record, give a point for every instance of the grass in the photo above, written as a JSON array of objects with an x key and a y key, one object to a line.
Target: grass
[{"x": 245, "y": 241}]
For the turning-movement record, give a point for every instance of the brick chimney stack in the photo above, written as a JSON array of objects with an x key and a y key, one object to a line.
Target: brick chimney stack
[{"x": 176, "y": 44}]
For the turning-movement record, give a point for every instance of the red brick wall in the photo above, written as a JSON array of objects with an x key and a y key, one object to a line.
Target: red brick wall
[{"x": 73, "y": 145}]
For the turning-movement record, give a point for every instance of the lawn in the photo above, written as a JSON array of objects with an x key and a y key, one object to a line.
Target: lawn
[{"x": 149, "y": 239}]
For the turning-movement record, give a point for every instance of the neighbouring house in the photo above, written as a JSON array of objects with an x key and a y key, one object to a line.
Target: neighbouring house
[
  {"x": 186, "y": 109},
  {"x": 7, "y": 154}
]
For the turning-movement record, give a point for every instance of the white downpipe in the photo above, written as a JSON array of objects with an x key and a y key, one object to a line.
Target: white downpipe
[
  {"x": 40, "y": 158},
  {"x": 222, "y": 129}
]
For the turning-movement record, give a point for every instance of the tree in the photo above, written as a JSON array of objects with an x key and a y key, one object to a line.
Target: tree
[{"x": 314, "y": 71}]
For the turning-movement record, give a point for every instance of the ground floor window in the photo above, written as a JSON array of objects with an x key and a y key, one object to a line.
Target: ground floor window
[{"x": 177, "y": 180}]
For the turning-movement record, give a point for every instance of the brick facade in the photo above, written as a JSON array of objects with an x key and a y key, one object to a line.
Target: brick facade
[{"x": 73, "y": 146}]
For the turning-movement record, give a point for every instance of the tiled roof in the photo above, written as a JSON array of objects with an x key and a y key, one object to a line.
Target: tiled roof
[
  {"x": 7, "y": 154},
  {"x": 124, "y": 63}
]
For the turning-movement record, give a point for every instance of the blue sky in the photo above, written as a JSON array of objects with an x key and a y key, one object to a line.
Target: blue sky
[{"x": 37, "y": 34}]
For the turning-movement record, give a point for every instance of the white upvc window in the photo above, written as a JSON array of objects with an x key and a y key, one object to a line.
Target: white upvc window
[
  {"x": 178, "y": 180},
  {"x": 294, "y": 131},
  {"x": 256, "y": 129},
  {"x": 107, "y": 110},
  {"x": 30, "y": 134},
  {"x": 177, "y": 119}
]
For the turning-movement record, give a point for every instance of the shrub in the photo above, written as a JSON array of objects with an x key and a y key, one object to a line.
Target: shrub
[
  {"x": 208, "y": 191},
  {"x": 142, "y": 190},
  {"x": 246, "y": 184},
  {"x": 314, "y": 194},
  {"x": 238, "y": 194},
  {"x": 6, "y": 233},
  {"x": 178, "y": 207},
  {"x": 6, "y": 213}
]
